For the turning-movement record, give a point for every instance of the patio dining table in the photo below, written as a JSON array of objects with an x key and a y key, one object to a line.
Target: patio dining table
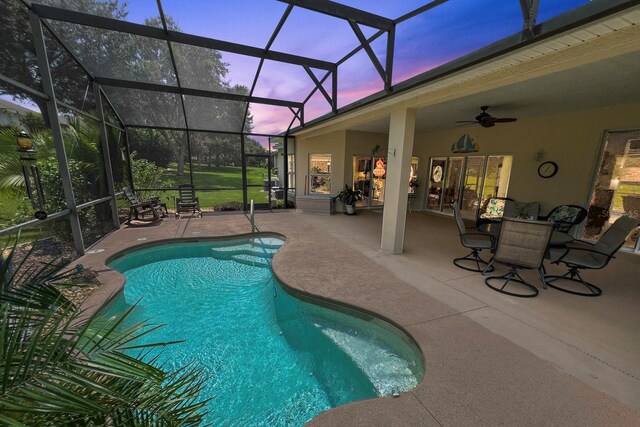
[{"x": 558, "y": 239}]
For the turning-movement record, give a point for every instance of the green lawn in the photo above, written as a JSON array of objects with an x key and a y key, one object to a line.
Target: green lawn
[{"x": 218, "y": 185}]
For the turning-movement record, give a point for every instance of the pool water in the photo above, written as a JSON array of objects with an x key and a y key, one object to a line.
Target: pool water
[{"x": 273, "y": 359}]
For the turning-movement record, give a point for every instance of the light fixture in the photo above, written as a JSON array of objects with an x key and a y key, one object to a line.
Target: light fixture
[
  {"x": 25, "y": 144},
  {"x": 31, "y": 173}
]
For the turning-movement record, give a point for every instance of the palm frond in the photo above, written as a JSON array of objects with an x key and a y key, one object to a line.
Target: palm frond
[{"x": 61, "y": 367}]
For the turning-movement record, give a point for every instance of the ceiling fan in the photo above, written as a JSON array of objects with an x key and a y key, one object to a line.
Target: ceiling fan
[{"x": 486, "y": 120}]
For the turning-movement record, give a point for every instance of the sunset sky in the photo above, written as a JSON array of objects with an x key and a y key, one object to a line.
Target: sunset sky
[{"x": 433, "y": 38}]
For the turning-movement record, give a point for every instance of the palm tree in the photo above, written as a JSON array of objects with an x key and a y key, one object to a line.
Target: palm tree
[
  {"x": 11, "y": 177},
  {"x": 60, "y": 367}
]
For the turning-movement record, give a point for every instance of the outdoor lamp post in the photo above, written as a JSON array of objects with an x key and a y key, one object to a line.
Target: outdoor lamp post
[{"x": 31, "y": 173}]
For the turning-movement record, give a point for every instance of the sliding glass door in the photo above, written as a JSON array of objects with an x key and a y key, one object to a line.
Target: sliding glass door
[
  {"x": 369, "y": 176},
  {"x": 468, "y": 182},
  {"x": 452, "y": 182},
  {"x": 474, "y": 174},
  {"x": 436, "y": 183},
  {"x": 617, "y": 187}
]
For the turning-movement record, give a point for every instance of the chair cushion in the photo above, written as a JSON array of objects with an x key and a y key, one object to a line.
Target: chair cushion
[
  {"x": 495, "y": 209},
  {"x": 524, "y": 210},
  {"x": 476, "y": 241},
  {"x": 564, "y": 214}
]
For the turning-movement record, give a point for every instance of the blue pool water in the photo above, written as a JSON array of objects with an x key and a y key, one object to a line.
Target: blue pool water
[{"x": 273, "y": 359}]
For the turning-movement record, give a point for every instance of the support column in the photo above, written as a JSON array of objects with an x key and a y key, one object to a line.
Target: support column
[
  {"x": 401, "y": 132},
  {"x": 58, "y": 142},
  {"x": 106, "y": 155}
]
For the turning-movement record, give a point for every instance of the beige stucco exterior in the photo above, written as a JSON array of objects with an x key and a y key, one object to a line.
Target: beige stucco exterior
[{"x": 572, "y": 138}]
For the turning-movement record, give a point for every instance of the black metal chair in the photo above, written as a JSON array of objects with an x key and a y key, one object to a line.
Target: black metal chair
[
  {"x": 521, "y": 244},
  {"x": 590, "y": 256},
  {"x": 564, "y": 217},
  {"x": 187, "y": 200},
  {"x": 492, "y": 210},
  {"x": 475, "y": 241}
]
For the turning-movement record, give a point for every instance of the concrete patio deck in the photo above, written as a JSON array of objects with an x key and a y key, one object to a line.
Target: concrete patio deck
[{"x": 490, "y": 359}]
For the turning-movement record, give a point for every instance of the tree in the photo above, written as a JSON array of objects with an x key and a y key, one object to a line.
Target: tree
[
  {"x": 120, "y": 55},
  {"x": 18, "y": 51}
]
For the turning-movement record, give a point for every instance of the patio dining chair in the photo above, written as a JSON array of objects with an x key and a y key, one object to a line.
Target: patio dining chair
[
  {"x": 590, "y": 256},
  {"x": 139, "y": 209},
  {"x": 522, "y": 210},
  {"x": 564, "y": 217},
  {"x": 521, "y": 244},
  {"x": 187, "y": 200},
  {"x": 492, "y": 210},
  {"x": 475, "y": 241}
]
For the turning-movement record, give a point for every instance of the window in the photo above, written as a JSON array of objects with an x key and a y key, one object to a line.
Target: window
[
  {"x": 617, "y": 187},
  {"x": 291, "y": 171},
  {"x": 468, "y": 182},
  {"x": 413, "y": 175},
  {"x": 320, "y": 173}
]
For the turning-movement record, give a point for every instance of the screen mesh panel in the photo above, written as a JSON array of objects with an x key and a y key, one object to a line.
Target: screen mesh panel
[
  {"x": 117, "y": 55},
  {"x": 84, "y": 153},
  {"x": 138, "y": 11},
  {"x": 214, "y": 114},
  {"x": 16, "y": 45},
  {"x": 304, "y": 29},
  {"x": 283, "y": 81},
  {"x": 141, "y": 107},
  {"x": 443, "y": 34},
  {"x": 209, "y": 69},
  {"x": 160, "y": 159}
]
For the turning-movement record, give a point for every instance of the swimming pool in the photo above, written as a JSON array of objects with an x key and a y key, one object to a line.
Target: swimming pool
[{"x": 273, "y": 359}]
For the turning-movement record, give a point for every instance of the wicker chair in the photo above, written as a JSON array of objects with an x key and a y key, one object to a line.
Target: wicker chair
[
  {"x": 521, "y": 244},
  {"x": 591, "y": 256},
  {"x": 564, "y": 217},
  {"x": 475, "y": 241}
]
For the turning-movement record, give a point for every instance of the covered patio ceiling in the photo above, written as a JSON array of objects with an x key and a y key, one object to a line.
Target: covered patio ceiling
[
  {"x": 612, "y": 81},
  {"x": 379, "y": 55}
]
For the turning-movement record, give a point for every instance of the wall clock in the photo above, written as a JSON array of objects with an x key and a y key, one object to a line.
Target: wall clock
[{"x": 547, "y": 169}]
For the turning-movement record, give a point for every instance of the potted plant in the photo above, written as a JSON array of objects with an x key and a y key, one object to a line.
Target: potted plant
[
  {"x": 413, "y": 185},
  {"x": 348, "y": 197}
]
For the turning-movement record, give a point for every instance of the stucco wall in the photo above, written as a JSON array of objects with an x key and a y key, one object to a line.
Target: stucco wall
[
  {"x": 330, "y": 143},
  {"x": 572, "y": 140}
]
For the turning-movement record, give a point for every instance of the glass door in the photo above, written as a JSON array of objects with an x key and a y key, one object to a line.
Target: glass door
[
  {"x": 369, "y": 174},
  {"x": 378, "y": 184},
  {"x": 452, "y": 183},
  {"x": 496, "y": 179},
  {"x": 436, "y": 182},
  {"x": 474, "y": 172},
  {"x": 362, "y": 179},
  {"x": 617, "y": 186}
]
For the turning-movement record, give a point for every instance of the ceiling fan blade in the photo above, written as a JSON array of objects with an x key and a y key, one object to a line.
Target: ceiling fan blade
[
  {"x": 505, "y": 120},
  {"x": 466, "y": 121}
]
